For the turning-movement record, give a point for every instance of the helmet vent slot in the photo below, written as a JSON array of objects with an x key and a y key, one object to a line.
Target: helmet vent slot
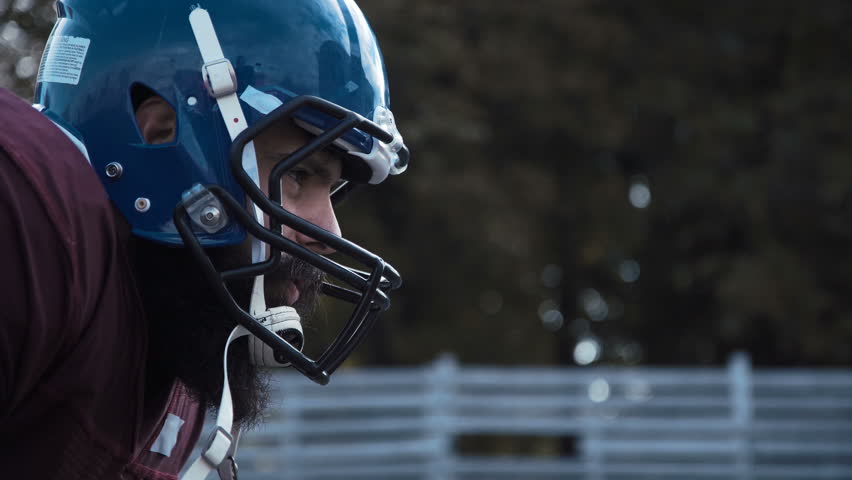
[{"x": 156, "y": 120}]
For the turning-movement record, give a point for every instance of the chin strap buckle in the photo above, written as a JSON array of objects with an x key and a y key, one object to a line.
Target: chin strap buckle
[
  {"x": 217, "y": 72},
  {"x": 218, "y": 446},
  {"x": 219, "y": 78},
  {"x": 219, "y": 453},
  {"x": 283, "y": 321}
]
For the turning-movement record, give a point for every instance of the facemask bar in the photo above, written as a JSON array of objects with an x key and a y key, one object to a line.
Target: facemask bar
[
  {"x": 369, "y": 288},
  {"x": 370, "y": 301},
  {"x": 347, "y": 120}
]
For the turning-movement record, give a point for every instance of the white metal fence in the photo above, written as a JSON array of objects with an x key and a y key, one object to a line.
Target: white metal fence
[{"x": 629, "y": 423}]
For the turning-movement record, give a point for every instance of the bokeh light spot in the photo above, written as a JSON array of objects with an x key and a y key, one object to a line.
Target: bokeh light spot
[
  {"x": 10, "y": 31},
  {"x": 552, "y": 320},
  {"x": 599, "y": 390},
  {"x": 21, "y": 5},
  {"x": 587, "y": 351},
  {"x": 26, "y": 67},
  {"x": 629, "y": 271},
  {"x": 639, "y": 194},
  {"x": 594, "y": 304}
]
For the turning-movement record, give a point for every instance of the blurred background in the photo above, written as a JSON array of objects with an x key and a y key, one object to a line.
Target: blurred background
[{"x": 604, "y": 184}]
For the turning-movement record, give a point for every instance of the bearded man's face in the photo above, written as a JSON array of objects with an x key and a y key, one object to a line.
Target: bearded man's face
[{"x": 187, "y": 325}]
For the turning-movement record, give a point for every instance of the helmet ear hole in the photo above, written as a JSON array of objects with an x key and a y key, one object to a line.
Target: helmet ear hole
[
  {"x": 139, "y": 93},
  {"x": 156, "y": 120}
]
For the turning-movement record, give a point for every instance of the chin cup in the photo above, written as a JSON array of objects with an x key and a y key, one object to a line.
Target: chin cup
[{"x": 284, "y": 322}]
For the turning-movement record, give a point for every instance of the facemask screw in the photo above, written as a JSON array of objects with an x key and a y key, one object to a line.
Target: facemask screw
[
  {"x": 210, "y": 216},
  {"x": 114, "y": 170},
  {"x": 142, "y": 204}
]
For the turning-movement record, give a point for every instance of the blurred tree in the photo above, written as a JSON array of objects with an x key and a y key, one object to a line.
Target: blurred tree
[{"x": 682, "y": 165}]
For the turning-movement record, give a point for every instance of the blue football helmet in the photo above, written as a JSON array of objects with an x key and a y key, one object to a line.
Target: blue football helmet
[{"x": 230, "y": 70}]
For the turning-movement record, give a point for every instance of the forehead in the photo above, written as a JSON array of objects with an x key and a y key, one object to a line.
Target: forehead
[{"x": 283, "y": 138}]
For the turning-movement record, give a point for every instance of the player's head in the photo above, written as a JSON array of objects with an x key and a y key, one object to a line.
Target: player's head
[{"x": 260, "y": 93}]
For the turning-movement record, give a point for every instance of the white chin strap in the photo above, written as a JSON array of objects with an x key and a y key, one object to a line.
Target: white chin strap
[
  {"x": 221, "y": 445},
  {"x": 221, "y": 83}
]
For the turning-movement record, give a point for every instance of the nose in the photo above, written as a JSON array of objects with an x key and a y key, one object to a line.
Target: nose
[{"x": 320, "y": 212}]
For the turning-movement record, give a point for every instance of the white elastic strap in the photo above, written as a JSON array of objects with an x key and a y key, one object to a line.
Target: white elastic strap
[
  {"x": 205, "y": 35},
  {"x": 232, "y": 115},
  {"x": 218, "y": 72},
  {"x": 257, "y": 304},
  {"x": 222, "y": 85},
  {"x": 219, "y": 443},
  {"x": 229, "y": 105},
  {"x": 221, "y": 82}
]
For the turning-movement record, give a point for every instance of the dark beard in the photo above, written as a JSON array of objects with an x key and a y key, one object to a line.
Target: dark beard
[{"x": 188, "y": 327}]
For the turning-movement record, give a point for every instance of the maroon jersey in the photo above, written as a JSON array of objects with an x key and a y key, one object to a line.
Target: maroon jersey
[{"x": 73, "y": 338}]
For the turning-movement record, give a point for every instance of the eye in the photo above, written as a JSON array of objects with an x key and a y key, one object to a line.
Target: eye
[{"x": 298, "y": 175}]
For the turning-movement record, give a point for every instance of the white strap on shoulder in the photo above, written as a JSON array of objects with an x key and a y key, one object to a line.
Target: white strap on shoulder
[
  {"x": 218, "y": 446},
  {"x": 221, "y": 82}
]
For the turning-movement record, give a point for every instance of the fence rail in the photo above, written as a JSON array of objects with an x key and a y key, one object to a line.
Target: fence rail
[{"x": 626, "y": 423}]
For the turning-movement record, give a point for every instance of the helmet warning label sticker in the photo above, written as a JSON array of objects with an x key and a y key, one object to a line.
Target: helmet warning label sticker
[{"x": 63, "y": 60}]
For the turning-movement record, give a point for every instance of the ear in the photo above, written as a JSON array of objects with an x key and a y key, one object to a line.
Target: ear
[{"x": 156, "y": 121}]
